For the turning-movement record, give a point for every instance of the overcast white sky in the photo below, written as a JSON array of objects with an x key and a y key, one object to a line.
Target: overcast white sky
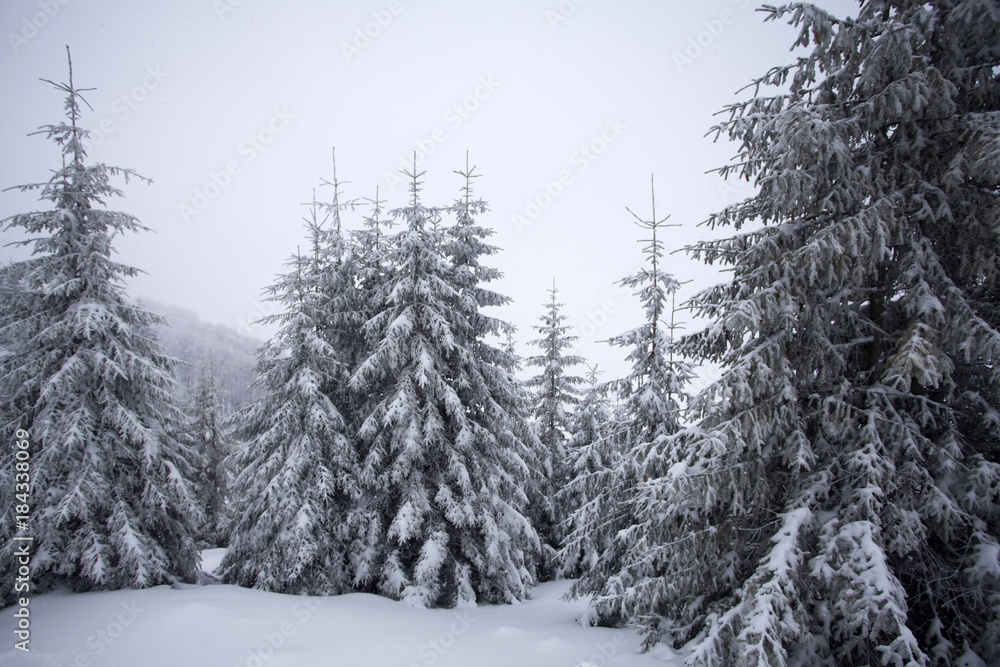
[{"x": 599, "y": 93}]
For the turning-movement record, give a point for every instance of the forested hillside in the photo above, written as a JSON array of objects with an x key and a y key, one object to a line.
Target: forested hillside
[{"x": 202, "y": 346}]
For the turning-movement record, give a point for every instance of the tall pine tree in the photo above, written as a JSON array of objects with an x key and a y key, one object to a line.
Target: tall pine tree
[
  {"x": 837, "y": 501},
  {"x": 349, "y": 271},
  {"x": 466, "y": 243},
  {"x": 298, "y": 480},
  {"x": 443, "y": 470},
  {"x": 209, "y": 437},
  {"x": 592, "y": 450},
  {"x": 111, "y": 502},
  {"x": 555, "y": 394},
  {"x": 652, "y": 397}
]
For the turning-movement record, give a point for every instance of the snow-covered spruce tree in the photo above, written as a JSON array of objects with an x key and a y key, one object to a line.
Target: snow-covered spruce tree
[
  {"x": 348, "y": 276},
  {"x": 837, "y": 501},
  {"x": 591, "y": 450},
  {"x": 539, "y": 506},
  {"x": 466, "y": 243},
  {"x": 298, "y": 479},
  {"x": 443, "y": 469},
  {"x": 554, "y": 395},
  {"x": 652, "y": 396},
  {"x": 210, "y": 439},
  {"x": 370, "y": 248},
  {"x": 370, "y": 245},
  {"x": 111, "y": 504}
]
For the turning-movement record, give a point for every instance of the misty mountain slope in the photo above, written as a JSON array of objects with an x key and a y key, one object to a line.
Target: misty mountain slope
[{"x": 199, "y": 345}]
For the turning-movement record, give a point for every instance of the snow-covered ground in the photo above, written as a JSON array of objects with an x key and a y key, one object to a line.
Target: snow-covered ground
[
  {"x": 227, "y": 626},
  {"x": 211, "y": 559}
]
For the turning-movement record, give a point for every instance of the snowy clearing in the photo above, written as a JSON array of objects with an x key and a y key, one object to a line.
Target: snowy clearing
[
  {"x": 211, "y": 558},
  {"x": 227, "y": 626}
]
